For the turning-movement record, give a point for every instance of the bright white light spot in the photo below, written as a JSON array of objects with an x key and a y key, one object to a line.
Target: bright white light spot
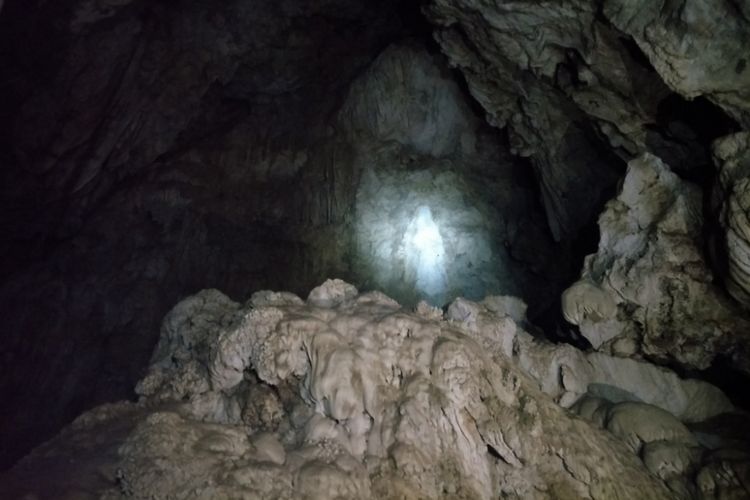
[
  {"x": 428, "y": 237},
  {"x": 425, "y": 253}
]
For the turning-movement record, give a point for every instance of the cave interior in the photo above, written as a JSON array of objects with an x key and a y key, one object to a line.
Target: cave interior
[{"x": 584, "y": 157}]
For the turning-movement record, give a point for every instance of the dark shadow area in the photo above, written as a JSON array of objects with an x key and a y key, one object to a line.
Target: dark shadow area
[
  {"x": 684, "y": 133},
  {"x": 705, "y": 118},
  {"x": 733, "y": 382},
  {"x": 572, "y": 252}
]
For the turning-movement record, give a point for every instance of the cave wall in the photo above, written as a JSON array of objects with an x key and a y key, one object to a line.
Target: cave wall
[
  {"x": 166, "y": 149},
  {"x": 442, "y": 209},
  {"x": 581, "y": 83},
  {"x": 149, "y": 150},
  {"x": 152, "y": 149}
]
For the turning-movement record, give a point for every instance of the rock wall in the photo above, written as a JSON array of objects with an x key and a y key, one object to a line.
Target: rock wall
[
  {"x": 648, "y": 291},
  {"x": 698, "y": 48},
  {"x": 583, "y": 82},
  {"x": 149, "y": 150},
  {"x": 152, "y": 149},
  {"x": 172, "y": 149},
  {"x": 730, "y": 237}
]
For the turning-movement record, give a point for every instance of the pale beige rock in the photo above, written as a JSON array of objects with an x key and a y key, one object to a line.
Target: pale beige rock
[
  {"x": 730, "y": 200},
  {"x": 270, "y": 298},
  {"x": 268, "y": 447},
  {"x": 428, "y": 115},
  {"x": 331, "y": 293},
  {"x": 566, "y": 374},
  {"x": 667, "y": 459},
  {"x": 650, "y": 263},
  {"x": 402, "y": 403},
  {"x": 428, "y": 311},
  {"x": 667, "y": 448},
  {"x": 364, "y": 399},
  {"x": 536, "y": 68},
  {"x": 506, "y": 305},
  {"x": 540, "y": 70},
  {"x": 698, "y": 48},
  {"x": 267, "y": 198},
  {"x": 642, "y": 403},
  {"x": 421, "y": 152},
  {"x": 585, "y": 303},
  {"x": 638, "y": 424},
  {"x": 145, "y": 213},
  {"x": 179, "y": 363},
  {"x": 593, "y": 409}
]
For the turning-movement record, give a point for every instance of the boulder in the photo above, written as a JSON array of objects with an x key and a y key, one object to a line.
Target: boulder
[{"x": 650, "y": 264}]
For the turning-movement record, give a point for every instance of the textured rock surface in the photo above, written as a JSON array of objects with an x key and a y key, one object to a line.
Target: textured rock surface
[
  {"x": 553, "y": 73},
  {"x": 512, "y": 55},
  {"x": 203, "y": 148},
  {"x": 151, "y": 149},
  {"x": 731, "y": 203},
  {"x": 375, "y": 402},
  {"x": 698, "y": 48},
  {"x": 650, "y": 264},
  {"x": 671, "y": 452},
  {"x": 441, "y": 209},
  {"x": 643, "y": 404},
  {"x": 567, "y": 374}
]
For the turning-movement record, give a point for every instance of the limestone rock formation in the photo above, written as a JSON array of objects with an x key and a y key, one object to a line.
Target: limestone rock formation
[
  {"x": 440, "y": 209},
  {"x": 566, "y": 78},
  {"x": 731, "y": 204},
  {"x": 567, "y": 374},
  {"x": 406, "y": 97},
  {"x": 542, "y": 71},
  {"x": 585, "y": 300},
  {"x": 349, "y": 395},
  {"x": 650, "y": 263},
  {"x": 698, "y": 48},
  {"x": 150, "y": 150},
  {"x": 275, "y": 167},
  {"x": 669, "y": 450}
]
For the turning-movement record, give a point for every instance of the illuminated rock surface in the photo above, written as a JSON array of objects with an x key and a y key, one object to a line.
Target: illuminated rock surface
[
  {"x": 349, "y": 395},
  {"x": 440, "y": 211},
  {"x": 650, "y": 264},
  {"x": 698, "y": 48}
]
